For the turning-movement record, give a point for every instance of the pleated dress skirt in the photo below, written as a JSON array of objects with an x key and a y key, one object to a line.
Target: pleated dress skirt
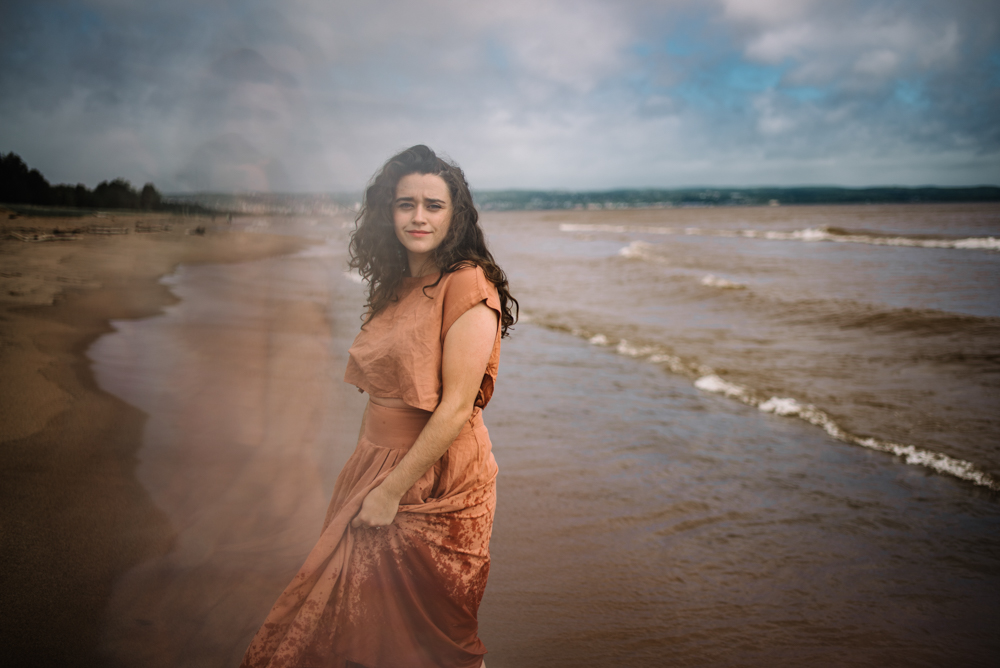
[{"x": 401, "y": 596}]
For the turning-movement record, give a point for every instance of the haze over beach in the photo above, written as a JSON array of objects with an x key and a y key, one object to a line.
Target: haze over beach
[{"x": 749, "y": 416}]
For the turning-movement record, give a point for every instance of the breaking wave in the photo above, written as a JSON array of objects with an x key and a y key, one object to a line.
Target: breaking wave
[
  {"x": 840, "y": 313},
  {"x": 641, "y": 250},
  {"x": 707, "y": 380},
  {"x": 848, "y": 314},
  {"x": 812, "y": 234},
  {"x": 716, "y": 282}
]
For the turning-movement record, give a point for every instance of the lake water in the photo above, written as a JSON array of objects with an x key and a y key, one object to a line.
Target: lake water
[{"x": 727, "y": 437}]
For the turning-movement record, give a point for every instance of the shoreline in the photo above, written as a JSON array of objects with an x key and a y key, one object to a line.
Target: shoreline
[{"x": 74, "y": 517}]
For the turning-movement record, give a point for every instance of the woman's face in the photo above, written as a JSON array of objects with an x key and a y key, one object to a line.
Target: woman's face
[{"x": 421, "y": 214}]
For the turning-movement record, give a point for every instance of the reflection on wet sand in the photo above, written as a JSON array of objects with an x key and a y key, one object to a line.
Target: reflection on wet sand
[
  {"x": 73, "y": 517},
  {"x": 248, "y": 421}
]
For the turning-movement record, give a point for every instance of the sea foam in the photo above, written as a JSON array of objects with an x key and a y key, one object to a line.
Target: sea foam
[
  {"x": 716, "y": 282},
  {"x": 808, "y": 235},
  {"x": 707, "y": 380}
]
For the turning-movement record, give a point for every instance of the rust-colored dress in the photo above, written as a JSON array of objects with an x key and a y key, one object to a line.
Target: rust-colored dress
[{"x": 405, "y": 595}]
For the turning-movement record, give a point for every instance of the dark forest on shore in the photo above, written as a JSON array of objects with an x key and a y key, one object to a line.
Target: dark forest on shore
[{"x": 22, "y": 185}]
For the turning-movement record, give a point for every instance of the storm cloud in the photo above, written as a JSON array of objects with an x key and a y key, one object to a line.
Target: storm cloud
[{"x": 312, "y": 95}]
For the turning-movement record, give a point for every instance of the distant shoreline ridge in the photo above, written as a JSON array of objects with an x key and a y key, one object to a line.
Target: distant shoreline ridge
[
  {"x": 758, "y": 196},
  {"x": 624, "y": 198}
]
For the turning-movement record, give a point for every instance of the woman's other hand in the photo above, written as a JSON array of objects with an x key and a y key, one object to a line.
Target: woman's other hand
[{"x": 378, "y": 509}]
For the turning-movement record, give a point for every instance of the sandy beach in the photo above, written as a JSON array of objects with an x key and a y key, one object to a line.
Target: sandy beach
[{"x": 72, "y": 515}]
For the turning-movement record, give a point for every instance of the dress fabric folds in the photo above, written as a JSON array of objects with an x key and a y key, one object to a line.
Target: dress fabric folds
[
  {"x": 398, "y": 353},
  {"x": 405, "y": 595},
  {"x": 400, "y": 596}
]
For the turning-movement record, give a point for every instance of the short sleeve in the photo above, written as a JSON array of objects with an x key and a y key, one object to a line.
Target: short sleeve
[{"x": 465, "y": 288}]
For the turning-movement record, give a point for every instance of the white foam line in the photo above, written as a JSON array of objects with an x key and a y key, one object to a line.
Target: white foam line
[
  {"x": 641, "y": 250},
  {"x": 716, "y": 282},
  {"x": 806, "y": 235},
  {"x": 709, "y": 381},
  {"x": 674, "y": 363},
  {"x": 789, "y": 407},
  {"x": 812, "y": 235},
  {"x": 716, "y": 385},
  {"x": 627, "y": 349},
  {"x": 652, "y": 354}
]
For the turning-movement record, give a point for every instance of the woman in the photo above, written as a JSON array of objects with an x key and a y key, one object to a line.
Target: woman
[{"x": 400, "y": 568}]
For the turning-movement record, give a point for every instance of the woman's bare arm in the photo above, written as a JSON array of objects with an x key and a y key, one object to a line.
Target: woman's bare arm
[
  {"x": 466, "y": 353},
  {"x": 364, "y": 416}
]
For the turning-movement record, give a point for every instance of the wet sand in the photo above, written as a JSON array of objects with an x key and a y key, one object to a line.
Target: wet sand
[
  {"x": 249, "y": 425},
  {"x": 72, "y": 514}
]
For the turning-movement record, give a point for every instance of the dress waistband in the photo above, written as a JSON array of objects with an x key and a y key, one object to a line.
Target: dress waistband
[
  {"x": 398, "y": 428},
  {"x": 395, "y": 428}
]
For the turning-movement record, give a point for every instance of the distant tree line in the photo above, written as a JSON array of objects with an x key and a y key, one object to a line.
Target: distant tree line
[
  {"x": 20, "y": 185},
  {"x": 512, "y": 200}
]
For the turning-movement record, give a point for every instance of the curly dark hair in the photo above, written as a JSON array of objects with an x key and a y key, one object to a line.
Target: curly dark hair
[{"x": 378, "y": 255}]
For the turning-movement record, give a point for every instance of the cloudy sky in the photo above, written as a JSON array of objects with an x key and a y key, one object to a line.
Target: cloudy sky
[{"x": 312, "y": 95}]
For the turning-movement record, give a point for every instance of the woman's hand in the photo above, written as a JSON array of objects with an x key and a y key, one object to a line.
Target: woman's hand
[{"x": 377, "y": 510}]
